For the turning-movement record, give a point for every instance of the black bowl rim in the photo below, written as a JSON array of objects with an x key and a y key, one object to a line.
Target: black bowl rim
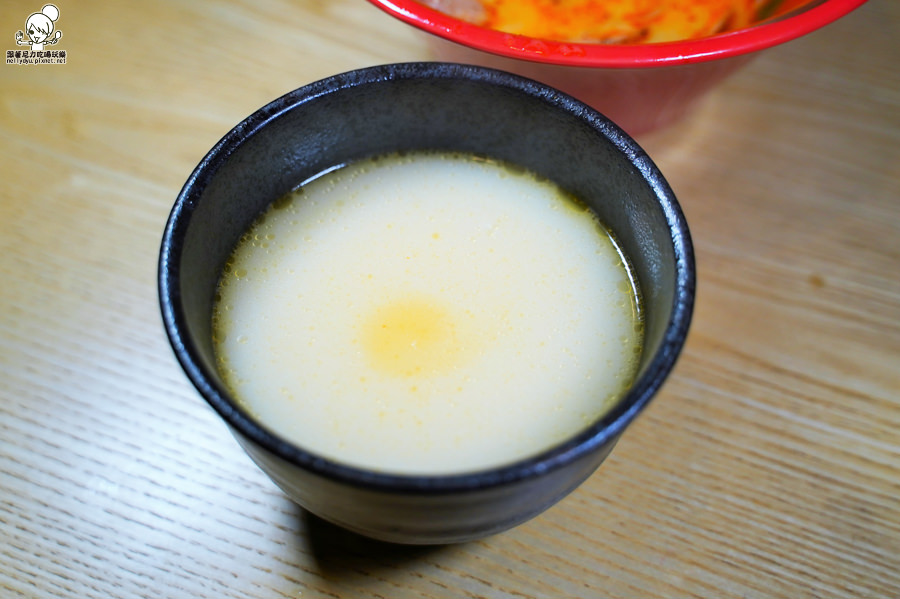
[{"x": 604, "y": 431}]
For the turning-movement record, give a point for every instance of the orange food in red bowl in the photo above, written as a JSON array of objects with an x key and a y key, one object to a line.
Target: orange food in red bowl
[
  {"x": 615, "y": 21},
  {"x": 643, "y": 63}
]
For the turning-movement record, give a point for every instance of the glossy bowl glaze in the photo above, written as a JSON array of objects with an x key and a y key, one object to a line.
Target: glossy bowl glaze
[
  {"x": 407, "y": 107},
  {"x": 641, "y": 87}
]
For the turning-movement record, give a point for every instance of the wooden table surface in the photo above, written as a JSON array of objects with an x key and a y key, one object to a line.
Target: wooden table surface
[{"x": 768, "y": 466}]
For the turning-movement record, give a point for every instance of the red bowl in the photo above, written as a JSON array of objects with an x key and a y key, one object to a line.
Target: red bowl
[{"x": 639, "y": 86}]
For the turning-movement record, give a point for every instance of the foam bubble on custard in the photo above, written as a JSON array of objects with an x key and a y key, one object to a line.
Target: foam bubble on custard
[{"x": 427, "y": 313}]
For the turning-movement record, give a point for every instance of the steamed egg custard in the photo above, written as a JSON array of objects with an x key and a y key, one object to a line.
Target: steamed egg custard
[{"x": 427, "y": 313}]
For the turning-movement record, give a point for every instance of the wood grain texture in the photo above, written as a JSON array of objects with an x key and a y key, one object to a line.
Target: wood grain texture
[{"x": 769, "y": 465}]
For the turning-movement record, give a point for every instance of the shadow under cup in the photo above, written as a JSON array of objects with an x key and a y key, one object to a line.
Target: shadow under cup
[{"x": 407, "y": 107}]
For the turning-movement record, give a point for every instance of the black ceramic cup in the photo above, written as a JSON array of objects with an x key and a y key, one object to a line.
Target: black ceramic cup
[{"x": 433, "y": 106}]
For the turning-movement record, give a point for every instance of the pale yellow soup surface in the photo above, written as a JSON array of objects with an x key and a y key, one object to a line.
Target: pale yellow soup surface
[{"x": 427, "y": 314}]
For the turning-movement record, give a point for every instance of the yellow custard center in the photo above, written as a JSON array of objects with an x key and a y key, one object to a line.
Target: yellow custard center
[{"x": 411, "y": 337}]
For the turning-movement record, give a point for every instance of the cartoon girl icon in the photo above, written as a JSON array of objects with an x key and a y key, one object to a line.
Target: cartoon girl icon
[{"x": 39, "y": 27}]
